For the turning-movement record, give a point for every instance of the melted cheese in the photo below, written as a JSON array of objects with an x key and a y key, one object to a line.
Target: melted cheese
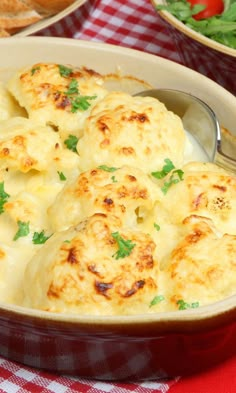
[
  {"x": 97, "y": 197},
  {"x": 43, "y": 91},
  {"x": 136, "y": 131}
]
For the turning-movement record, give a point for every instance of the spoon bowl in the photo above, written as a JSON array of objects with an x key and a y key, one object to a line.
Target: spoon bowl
[{"x": 198, "y": 119}]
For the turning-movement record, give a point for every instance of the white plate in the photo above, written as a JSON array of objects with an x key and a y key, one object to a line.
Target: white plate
[{"x": 35, "y": 27}]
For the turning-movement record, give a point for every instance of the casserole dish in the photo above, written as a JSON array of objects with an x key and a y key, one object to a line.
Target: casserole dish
[{"x": 146, "y": 346}]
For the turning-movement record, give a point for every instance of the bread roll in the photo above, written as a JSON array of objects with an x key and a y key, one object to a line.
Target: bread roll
[
  {"x": 17, "y": 14},
  {"x": 50, "y": 7}
]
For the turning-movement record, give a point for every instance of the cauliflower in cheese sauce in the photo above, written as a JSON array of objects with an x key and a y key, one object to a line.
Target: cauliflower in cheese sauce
[{"x": 100, "y": 211}]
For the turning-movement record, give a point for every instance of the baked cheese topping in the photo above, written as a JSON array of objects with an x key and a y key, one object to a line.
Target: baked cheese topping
[
  {"x": 106, "y": 206},
  {"x": 54, "y": 94}
]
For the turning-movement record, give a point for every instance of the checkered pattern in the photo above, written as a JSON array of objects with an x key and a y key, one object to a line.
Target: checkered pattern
[
  {"x": 15, "y": 378},
  {"x": 134, "y": 24}
]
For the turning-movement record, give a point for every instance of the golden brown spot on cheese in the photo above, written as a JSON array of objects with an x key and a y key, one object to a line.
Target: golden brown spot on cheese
[
  {"x": 105, "y": 143},
  {"x": 214, "y": 273},
  {"x": 108, "y": 201},
  {"x": 102, "y": 126},
  {"x": 94, "y": 172},
  {"x": 91, "y": 72},
  {"x": 122, "y": 192},
  {"x": 62, "y": 102},
  {"x": 52, "y": 291},
  {"x": 127, "y": 151},
  {"x": 93, "y": 269},
  {"x": 5, "y": 151},
  {"x": 137, "y": 285},
  {"x": 19, "y": 140},
  {"x": 220, "y": 204},
  {"x": 139, "y": 117},
  {"x": 83, "y": 185},
  {"x": 131, "y": 178},
  {"x": 197, "y": 202},
  {"x": 195, "y": 236},
  {"x": 72, "y": 257},
  {"x": 102, "y": 287},
  {"x": 146, "y": 261},
  {"x": 2, "y": 253},
  {"x": 221, "y": 188}
]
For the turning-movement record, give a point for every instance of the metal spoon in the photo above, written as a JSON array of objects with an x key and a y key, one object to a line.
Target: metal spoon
[{"x": 198, "y": 119}]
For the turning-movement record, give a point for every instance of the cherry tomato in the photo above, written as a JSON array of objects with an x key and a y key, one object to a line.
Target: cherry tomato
[{"x": 213, "y": 7}]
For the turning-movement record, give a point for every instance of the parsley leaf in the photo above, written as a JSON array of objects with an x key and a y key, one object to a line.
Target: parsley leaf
[
  {"x": 107, "y": 168},
  {"x": 73, "y": 87},
  {"x": 156, "y": 226},
  {"x": 65, "y": 71},
  {"x": 71, "y": 143},
  {"x": 175, "y": 178},
  {"x": 3, "y": 197},
  {"x": 23, "y": 229},
  {"x": 125, "y": 246},
  {"x": 113, "y": 178},
  {"x": 39, "y": 238},
  {"x": 61, "y": 176},
  {"x": 34, "y": 69},
  {"x": 167, "y": 168},
  {"x": 81, "y": 102},
  {"x": 77, "y": 101},
  {"x": 157, "y": 299},
  {"x": 184, "y": 305}
]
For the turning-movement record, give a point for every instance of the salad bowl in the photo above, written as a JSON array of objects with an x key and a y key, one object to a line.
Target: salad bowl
[
  {"x": 199, "y": 52},
  {"x": 115, "y": 347}
]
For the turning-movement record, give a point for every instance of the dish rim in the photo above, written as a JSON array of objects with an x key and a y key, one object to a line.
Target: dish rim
[
  {"x": 203, "y": 313},
  {"x": 206, "y": 312},
  {"x": 180, "y": 26}
]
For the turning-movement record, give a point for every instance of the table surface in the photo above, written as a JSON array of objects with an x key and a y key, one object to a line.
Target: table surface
[{"x": 134, "y": 24}]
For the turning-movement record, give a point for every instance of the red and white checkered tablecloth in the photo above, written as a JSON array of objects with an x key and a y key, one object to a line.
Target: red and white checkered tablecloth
[
  {"x": 130, "y": 23},
  {"x": 134, "y": 24}
]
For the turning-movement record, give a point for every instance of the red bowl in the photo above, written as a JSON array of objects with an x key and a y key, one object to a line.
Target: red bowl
[
  {"x": 119, "y": 348},
  {"x": 200, "y": 53}
]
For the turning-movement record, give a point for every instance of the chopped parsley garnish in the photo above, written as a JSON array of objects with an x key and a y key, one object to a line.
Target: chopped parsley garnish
[
  {"x": 156, "y": 226},
  {"x": 175, "y": 178},
  {"x": 77, "y": 101},
  {"x": 73, "y": 87},
  {"x": 81, "y": 102},
  {"x": 125, "y": 247},
  {"x": 157, "y": 299},
  {"x": 61, "y": 176},
  {"x": 34, "y": 69},
  {"x": 39, "y": 238},
  {"x": 184, "y": 305},
  {"x": 66, "y": 241},
  {"x": 107, "y": 168},
  {"x": 71, "y": 143},
  {"x": 3, "y": 197},
  {"x": 167, "y": 168},
  {"x": 23, "y": 230},
  {"x": 65, "y": 71},
  {"x": 113, "y": 178}
]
